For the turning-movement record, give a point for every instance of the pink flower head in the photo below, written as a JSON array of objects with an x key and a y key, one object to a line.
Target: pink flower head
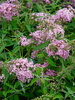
[
  {"x": 21, "y": 68},
  {"x": 59, "y": 48},
  {"x": 24, "y": 41},
  {"x": 8, "y": 10},
  {"x": 50, "y": 72},
  {"x": 64, "y": 14},
  {"x": 2, "y": 77},
  {"x": 47, "y": 1}
]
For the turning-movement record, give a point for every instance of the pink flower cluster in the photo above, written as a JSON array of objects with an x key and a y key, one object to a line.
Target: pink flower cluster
[
  {"x": 1, "y": 63},
  {"x": 21, "y": 67},
  {"x": 59, "y": 48},
  {"x": 47, "y": 1},
  {"x": 47, "y": 30},
  {"x": 33, "y": 54},
  {"x": 8, "y": 10},
  {"x": 24, "y": 41},
  {"x": 39, "y": 16},
  {"x": 65, "y": 15},
  {"x": 38, "y": 1},
  {"x": 57, "y": 29},
  {"x": 2, "y": 77},
  {"x": 45, "y": 64},
  {"x": 73, "y": 2},
  {"x": 50, "y": 72},
  {"x": 40, "y": 36},
  {"x": 13, "y": 1}
]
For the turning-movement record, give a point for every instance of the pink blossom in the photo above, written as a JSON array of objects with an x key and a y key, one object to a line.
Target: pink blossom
[
  {"x": 47, "y": 1},
  {"x": 50, "y": 72},
  {"x": 64, "y": 14},
  {"x": 24, "y": 41},
  {"x": 8, "y": 10},
  {"x": 33, "y": 54},
  {"x": 21, "y": 68},
  {"x": 1, "y": 63},
  {"x": 2, "y": 77},
  {"x": 59, "y": 48},
  {"x": 13, "y": 1}
]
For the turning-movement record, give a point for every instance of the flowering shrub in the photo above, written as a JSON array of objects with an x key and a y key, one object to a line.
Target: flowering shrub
[{"x": 36, "y": 50}]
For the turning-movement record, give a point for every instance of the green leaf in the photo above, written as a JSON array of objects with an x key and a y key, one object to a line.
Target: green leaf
[
  {"x": 9, "y": 85},
  {"x": 11, "y": 98},
  {"x": 16, "y": 97},
  {"x": 10, "y": 54},
  {"x": 40, "y": 55},
  {"x": 10, "y": 91},
  {"x": 39, "y": 70},
  {"x": 16, "y": 49},
  {"x": 4, "y": 93},
  {"x": 2, "y": 48},
  {"x": 50, "y": 61},
  {"x": 5, "y": 72},
  {"x": 23, "y": 89},
  {"x": 5, "y": 99},
  {"x": 41, "y": 46},
  {"x": 58, "y": 96},
  {"x": 16, "y": 84},
  {"x": 39, "y": 7},
  {"x": 28, "y": 28},
  {"x": 33, "y": 81},
  {"x": 70, "y": 91}
]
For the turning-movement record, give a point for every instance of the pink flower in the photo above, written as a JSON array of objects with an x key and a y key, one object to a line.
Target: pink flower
[
  {"x": 50, "y": 72},
  {"x": 33, "y": 54},
  {"x": 59, "y": 48},
  {"x": 47, "y": 1},
  {"x": 24, "y": 41},
  {"x": 21, "y": 68},
  {"x": 8, "y": 10},
  {"x": 64, "y": 14},
  {"x": 2, "y": 77}
]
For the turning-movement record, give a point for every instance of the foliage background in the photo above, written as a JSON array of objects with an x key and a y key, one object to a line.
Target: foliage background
[{"x": 60, "y": 87}]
